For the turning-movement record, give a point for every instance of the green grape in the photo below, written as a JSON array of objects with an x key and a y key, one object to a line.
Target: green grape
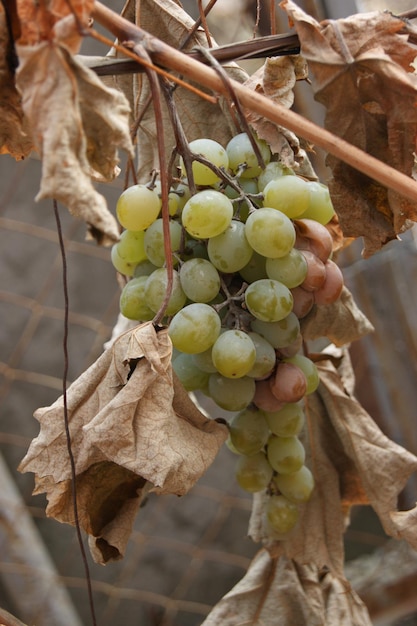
[
  {"x": 190, "y": 376},
  {"x": 194, "y": 249},
  {"x": 131, "y": 246},
  {"x": 240, "y": 151},
  {"x": 144, "y": 268},
  {"x": 285, "y": 454},
  {"x": 288, "y": 421},
  {"x": 290, "y": 269},
  {"x": 195, "y": 328},
  {"x": 138, "y": 207},
  {"x": 173, "y": 199},
  {"x": 183, "y": 193},
  {"x": 297, "y": 487},
  {"x": 230, "y": 251},
  {"x": 154, "y": 241},
  {"x": 272, "y": 171},
  {"x": 289, "y": 194},
  {"x": 253, "y": 473},
  {"x": 270, "y": 232},
  {"x": 320, "y": 207},
  {"x": 133, "y": 301},
  {"x": 309, "y": 370},
  {"x": 200, "y": 280},
  {"x": 279, "y": 334},
  {"x": 119, "y": 264},
  {"x": 265, "y": 357},
  {"x": 282, "y": 514},
  {"x": 255, "y": 269},
  {"x": 204, "y": 361},
  {"x": 268, "y": 300},
  {"x": 155, "y": 290},
  {"x": 249, "y": 431},
  {"x": 214, "y": 152},
  {"x": 207, "y": 214},
  {"x": 233, "y": 354},
  {"x": 231, "y": 394}
]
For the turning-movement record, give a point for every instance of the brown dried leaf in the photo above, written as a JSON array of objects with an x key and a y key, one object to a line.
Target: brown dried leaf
[
  {"x": 78, "y": 125},
  {"x": 167, "y": 20},
  {"x": 361, "y": 72},
  {"x": 14, "y": 137},
  {"x": 133, "y": 428},
  {"x": 350, "y": 459},
  {"x": 281, "y": 591},
  {"x": 341, "y": 322}
]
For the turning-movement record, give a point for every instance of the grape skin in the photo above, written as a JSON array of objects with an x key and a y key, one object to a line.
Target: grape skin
[
  {"x": 234, "y": 354},
  {"x": 268, "y": 300},
  {"x": 285, "y": 454},
  {"x": 249, "y": 431},
  {"x": 270, "y": 232},
  {"x": 137, "y": 207},
  {"x": 282, "y": 514},
  {"x": 253, "y": 473},
  {"x": 200, "y": 280},
  {"x": 194, "y": 328},
  {"x": 207, "y": 214},
  {"x": 230, "y": 251}
]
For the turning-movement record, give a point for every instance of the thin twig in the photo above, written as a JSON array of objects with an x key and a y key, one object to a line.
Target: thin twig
[
  {"x": 204, "y": 22},
  {"x": 197, "y": 25},
  {"x": 171, "y": 58},
  {"x": 66, "y": 416}
]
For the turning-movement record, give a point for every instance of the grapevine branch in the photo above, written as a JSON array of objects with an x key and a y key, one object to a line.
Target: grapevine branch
[{"x": 168, "y": 57}]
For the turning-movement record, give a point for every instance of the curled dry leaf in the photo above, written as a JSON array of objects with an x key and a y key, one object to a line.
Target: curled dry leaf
[
  {"x": 342, "y": 322},
  {"x": 133, "y": 428},
  {"x": 167, "y": 20},
  {"x": 78, "y": 125},
  {"x": 353, "y": 462},
  {"x": 361, "y": 72},
  {"x": 277, "y": 590},
  {"x": 276, "y": 80},
  {"x": 14, "y": 137}
]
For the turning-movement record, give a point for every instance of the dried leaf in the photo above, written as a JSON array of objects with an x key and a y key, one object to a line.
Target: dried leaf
[
  {"x": 78, "y": 125},
  {"x": 276, "y": 80},
  {"x": 361, "y": 72},
  {"x": 350, "y": 459},
  {"x": 166, "y": 20},
  {"x": 280, "y": 591},
  {"x": 133, "y": 428},
  {"x": 14, "y": 138},
  {"x": 341, "y": 322}
]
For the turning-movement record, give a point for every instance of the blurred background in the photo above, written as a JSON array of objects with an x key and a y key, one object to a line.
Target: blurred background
[{"x": 185, "y": 554}]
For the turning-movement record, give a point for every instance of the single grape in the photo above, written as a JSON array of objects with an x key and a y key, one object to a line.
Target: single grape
[
  {"x": 194, "y": 249},
  {"x": 253, "y": 473},
  {"x": 265, "y": 357},
  {"x": 138, "y": 207},
  {"x": 207, "y": 214},
  {"x": 155, "y": 290},
  {"x": 288, "y": 421},
  {"x": 240, "y": 152},
  {"x": 272, "y": 171},
  {"x": 230, "y": 251},
  {"x": 131, "y": 246},
  {"x": 289, "y": 384},
  {"x": 282, "y": 514},
  {"x": 264, "y": 399},
  {"x": 290, "y": 269},
  {"x": 289, "y": 194},
  {"x": 309, "y": 369},
  {"x": 316, "y": 272},
  {"x": 195, "y": 328},
  {"x": 279, "y": 334},
  {"x": 144, "y": 268},
  {"x": 247, "y": 185},
  {"x": 255, "y": 269},
  {"x": 231, "y": 394},
  {"x": 190, "y": 376},
  {"x": 298, "y": 486},
  {"x": 268, "y": 300},
  {"x": 249, "y": 431},
  {"x": 270, "y": 232},
  {"x": 204, "y": 361},
  {"x": 233, "y": 354},
  {"x": 320, "y": 207},
  {"x": 183, "y": 193},
  {"x": 154, "y": 241},
  {"x": 214, "y": 152},
  {"x": 121, "y": 265},
  {"x": 285, "y": 454},
  {"x": 314, "y": 237},
  {"x": 133, "y": 304},
  {"x": 303, "y": 301},
  {"x": 332, "y": 287},
  {"x": 173, "y": 199},
  {"x": 200, "y": 280}
]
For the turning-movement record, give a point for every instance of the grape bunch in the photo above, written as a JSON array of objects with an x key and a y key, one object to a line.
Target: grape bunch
[{"x": 251, "y": 256}]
